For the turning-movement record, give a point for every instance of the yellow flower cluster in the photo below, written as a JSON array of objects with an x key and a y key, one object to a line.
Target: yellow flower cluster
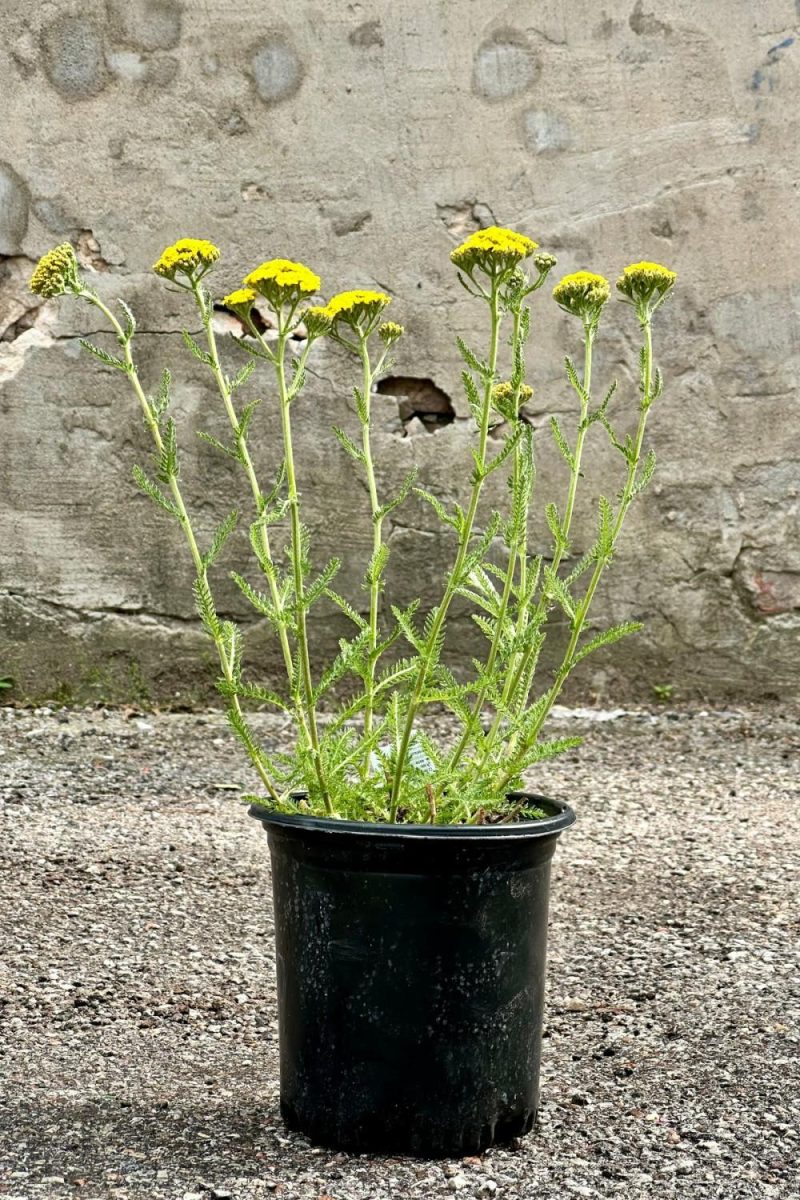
[
  {"x": 502, "y": 393},
  {"x": 390, "y": 331},
  {"x": 493, "y": 251},
  {"x": 56, "y": 272},
  {"x": 643, "y": 280},
  {"x": 282, "y": 282},
  {"x": 317, "y": 321},
  {"x": 583, "y": 294},
  {"x": 240, "y": 300},
  {"x": 356, "y": 307},
  {"x": 186, "y": 256}
]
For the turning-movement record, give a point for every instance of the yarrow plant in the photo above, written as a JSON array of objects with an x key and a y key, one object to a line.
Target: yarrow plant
[{"x": 368, "y": 755}]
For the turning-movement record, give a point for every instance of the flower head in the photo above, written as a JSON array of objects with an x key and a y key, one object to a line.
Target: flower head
[
  {"x": 186, "y": 256},
  {"x": 544, "y": 262},
  {"x": 508, "y": 399},
  {"x": 493, "y": 251},
  {"x": 644, "y": 281},
  {"x": 390, "y": 331},
  {"x": 56, "y": 272},
  {"x": 282, "y": 282},
  {"x": 583, "y": 294},
  {"x": 358, "y": 308},
  {"x": 506, "y": 391},
  {"x": 317, "y": 321},
  {"x": 240, "y": 301}
]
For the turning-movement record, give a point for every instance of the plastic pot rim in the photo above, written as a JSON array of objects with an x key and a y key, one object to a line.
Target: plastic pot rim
[{"x": 561, "y": 817}]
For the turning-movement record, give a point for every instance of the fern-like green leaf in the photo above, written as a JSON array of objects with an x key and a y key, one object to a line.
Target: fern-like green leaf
[
  {"x": 167, "y": 468},
  {"x": 347, "y": 608},
  {"x": 240, "y": 727},
  {"x": 544, "y": 750},
  {"x": 556, "y": 528},
  {"x": 647, "y": 473},
  {"x": 404, "y": 619},
  {"x": 572, "y": 376},
  {"x": 362, "y": 409},
  {"x": 242, "y": 375},
  {"x": 320, "y": 585},
  {"x": 212, "y": 441},
  {"x": 508, "y": 448},
  {"x": 253, "y": 691},
  {"x": 194, "y": 349},
  {"x": 377, "y": 565},
  {"x": 245, "y": 420},
  {"x": 403, "y": 669},
  {"x": 599, "y": 413},
  {"x": 349, "y": 445},
  {"x": 205, "y": 607},
  {"x": 437, "y": 507},
  {"x": 615, "y": 442},
  {"x": 260, "y": 602},
  {"x": 391, "y": 505},
  {"x": 486, "y": 627},
  {"x": 348, "y": 653},
  {"x": 108, "y": 359},
  {"x": 605, "y": 527},
  {"x": 221, "y": 535},
  {"x": 607, "y": 638},
  {"x": 473, "y": 397},
  {"x": 472, "y": 360},
  {"x": 559, "y": 592},
  {"x": 160, "y": 402},
  {"x": 561, "y": 442},
  {"x": 154, "y": 492},
  {"x": 581, "y": 567}
]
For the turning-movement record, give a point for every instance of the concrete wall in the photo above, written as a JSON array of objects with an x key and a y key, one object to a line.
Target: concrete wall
[{"x": 366, "y": 139}]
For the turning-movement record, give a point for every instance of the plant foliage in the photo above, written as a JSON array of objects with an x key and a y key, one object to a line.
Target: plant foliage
[{"x": 361, "y": 749}]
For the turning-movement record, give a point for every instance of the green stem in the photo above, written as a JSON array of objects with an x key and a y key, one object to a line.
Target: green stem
[
  {"x": 517, "y": 673},
  {"x": 513, "y": 551},
  {"x": 454, "y": 577},
  {"x": 602, "y": 562},
  {"x": 183, "y": 515},
  {"x": 579, "y": 441},
  {"x": 377, "y": 541},
  {"x": 206, "y": 313},
  {"x": 297, "y": 563}
]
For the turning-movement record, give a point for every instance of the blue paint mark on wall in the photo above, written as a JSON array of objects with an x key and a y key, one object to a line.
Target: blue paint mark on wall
[
  {"x": 774, "y": 53},
  {"x": 761, "y": 74}
]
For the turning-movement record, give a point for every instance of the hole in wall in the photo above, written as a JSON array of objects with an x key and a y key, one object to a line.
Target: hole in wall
[
  {"x": 420, "y": 401},
  {"x": 227, "y": 321}
]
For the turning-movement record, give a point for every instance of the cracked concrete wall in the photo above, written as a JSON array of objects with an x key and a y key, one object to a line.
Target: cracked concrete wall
[{"x": 366, "y": 138}]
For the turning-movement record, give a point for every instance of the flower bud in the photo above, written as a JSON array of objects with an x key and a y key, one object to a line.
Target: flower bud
[
  {"x": 390, "y": 331},
  {"x": 508, "y": 399},
  {"x": 643, "y": 282},
  {"x": 544, "y": 262},
  {"x": 317, "y": 321},
  {"x": 56, "y": 272},
  {"x": 583, "y": 294}
]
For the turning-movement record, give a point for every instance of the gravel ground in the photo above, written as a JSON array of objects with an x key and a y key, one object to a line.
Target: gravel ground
[{"x": 137, "y": 1001}]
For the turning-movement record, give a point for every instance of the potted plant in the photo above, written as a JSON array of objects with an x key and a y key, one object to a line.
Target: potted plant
[{"x": 410, "y": 874}]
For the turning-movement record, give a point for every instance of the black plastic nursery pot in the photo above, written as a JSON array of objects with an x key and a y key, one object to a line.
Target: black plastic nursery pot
[{"x": 411, "y": 967}]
